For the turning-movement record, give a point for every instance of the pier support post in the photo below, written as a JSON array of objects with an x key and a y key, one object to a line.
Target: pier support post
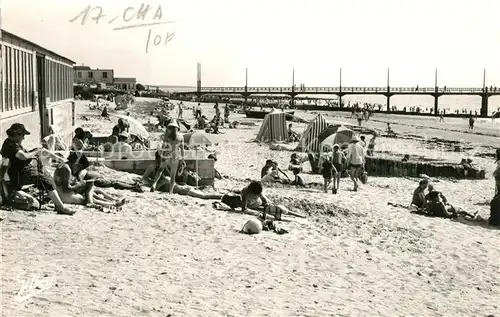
[
  {"x": 388, "y": 103},
  {"x": 436, "y": 105},
  {"x": 198, "y": 82},
  {"x": 484, "y": 105}
]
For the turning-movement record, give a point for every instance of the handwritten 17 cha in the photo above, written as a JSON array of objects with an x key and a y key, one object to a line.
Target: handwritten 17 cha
[{"x": 128, "y": 15}]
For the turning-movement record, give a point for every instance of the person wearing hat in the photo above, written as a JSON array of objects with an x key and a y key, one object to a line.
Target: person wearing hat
[
  {"x": 355, "y": 159},
  {"x": 172, "y": 153},
  {"x": 20, "y": 170}
]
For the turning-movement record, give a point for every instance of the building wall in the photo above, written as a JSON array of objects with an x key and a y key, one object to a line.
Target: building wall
[
  {"x": 125, "y": 83},
  {"x": 94, "y": 76},
  {"x": 19, "y": 90}
]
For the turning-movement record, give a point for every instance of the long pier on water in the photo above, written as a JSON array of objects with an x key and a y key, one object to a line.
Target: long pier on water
[{"x": 340, "y": 91}]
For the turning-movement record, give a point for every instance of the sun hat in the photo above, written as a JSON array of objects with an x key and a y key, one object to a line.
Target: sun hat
[
  {"x": 17, "y": 128},
  {"x": 252, "y": 226},
  {"x": 173, "y": 123}
]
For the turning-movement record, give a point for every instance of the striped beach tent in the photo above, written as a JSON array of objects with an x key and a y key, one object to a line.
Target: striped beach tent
[
  {"x": 309, "y": 140},
  {"x": 273, "y": 128}
]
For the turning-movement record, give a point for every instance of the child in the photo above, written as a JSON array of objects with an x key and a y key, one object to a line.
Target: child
[
  {"x": 338, "y": 159},
  {"x": 327, "y": 174}
]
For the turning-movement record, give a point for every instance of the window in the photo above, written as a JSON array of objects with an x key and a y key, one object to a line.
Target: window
[
  {"x": 91, "y": 75},
  {"x": 79, "y": 74},
  {"x": 105, "y": 75}
]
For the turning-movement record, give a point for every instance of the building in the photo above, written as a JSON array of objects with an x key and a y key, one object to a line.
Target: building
[
  {"x": 36, "y": 89},
  {"x": 84, "y": 74},
  {"x": 125, "y": 83}
]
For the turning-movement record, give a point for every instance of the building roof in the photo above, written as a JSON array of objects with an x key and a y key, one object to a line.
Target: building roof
[
  {"x": 81, "y": 67},
  {"x": 37, "y": 46},
  {"x": 125, "y": 79}
]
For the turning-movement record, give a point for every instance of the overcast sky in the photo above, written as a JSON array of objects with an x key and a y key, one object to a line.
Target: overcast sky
[{"x": 316, "y": 37}]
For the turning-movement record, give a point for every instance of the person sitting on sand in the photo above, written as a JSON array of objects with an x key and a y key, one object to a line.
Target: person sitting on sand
[
  {"x": 292, "y": 135},
  {"x": 78, "y": 143},
  {"x": 299, "y": 180},
  {"x": 73, "y": 191},
  {"x": 122, "y": 126},
  {"x": 166, "y": 185},
  {"x": 441, "y": 197},
  {"x": 20, "y": 170},
  {"x": 419, "y": 200},
  {"x": 266, "y": 169},
  {"x": 273, "y": 175}
]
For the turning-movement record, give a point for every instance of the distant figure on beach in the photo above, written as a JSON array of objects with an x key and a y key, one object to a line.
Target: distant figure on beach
[
  {"x": 359, "y": 117},
  {"x": 104, "y": 112},
  {"x": 371, "y": 145},
  {"x": 227, "y": 112},
  {"x": 327, "y": 172},
  {"x": 441, "y": 117},
  {"x": 471, "y": 122},
  {"x": 197, "y": 111},
  {"x": 406, "y": 158},
  {"x": 179, "y": 114},
  {"x": 389, "y": 129},
  {"x": 355, "y": 159},
  {"x": 217, "y": 110},
  {"x": 292, "y": 135}
]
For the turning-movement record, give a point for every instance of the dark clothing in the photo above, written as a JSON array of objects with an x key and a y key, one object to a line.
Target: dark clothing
[
  {"x": 327, "y": 170},
  {"x": 264, "y": 171},
  {"x": 494, "y": 219},
  {"x": 21, "y": 172},
  {"x": 339, "y": 168},
  {"x": 294, "y": 161}
]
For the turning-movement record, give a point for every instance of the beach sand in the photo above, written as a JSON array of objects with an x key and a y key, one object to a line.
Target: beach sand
[{"x": 353, "y": 256}]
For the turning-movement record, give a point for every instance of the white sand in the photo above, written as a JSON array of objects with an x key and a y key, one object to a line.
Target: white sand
[{"x": 177, "y": 256}]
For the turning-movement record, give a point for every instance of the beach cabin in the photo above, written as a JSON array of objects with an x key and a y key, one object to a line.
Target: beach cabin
[{"x": 36, "y": 89}]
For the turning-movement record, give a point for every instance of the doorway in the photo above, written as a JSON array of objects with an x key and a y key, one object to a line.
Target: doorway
[{"x": 40, "y": 92}]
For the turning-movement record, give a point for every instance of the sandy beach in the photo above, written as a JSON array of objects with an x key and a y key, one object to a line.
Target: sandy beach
[{"x": 352, "y": 256}]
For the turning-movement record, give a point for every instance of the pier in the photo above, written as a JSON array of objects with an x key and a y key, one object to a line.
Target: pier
[{"x": 340, "y": 91}]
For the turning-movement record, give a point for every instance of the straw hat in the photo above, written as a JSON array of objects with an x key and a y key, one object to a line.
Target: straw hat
[{"x": 252, "y": 226}]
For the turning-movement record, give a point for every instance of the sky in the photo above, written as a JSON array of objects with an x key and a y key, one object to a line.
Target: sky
[{"x": 316, "y": 38}]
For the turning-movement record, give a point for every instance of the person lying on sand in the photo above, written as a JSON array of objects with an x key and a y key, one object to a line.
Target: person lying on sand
[
  {"x": 252, "y": 198},
  {"x": 77, "y": 192},
  {"x": 164, "y": 184},
  {"x": 436, "y": 208}
]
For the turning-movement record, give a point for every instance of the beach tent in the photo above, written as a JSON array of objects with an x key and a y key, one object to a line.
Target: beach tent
[
  {"x": 309, "y": 140},
  {"x": 273, "y": 128}
]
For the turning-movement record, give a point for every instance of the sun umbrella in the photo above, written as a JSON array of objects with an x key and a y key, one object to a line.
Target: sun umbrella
[
  {"x": 200, "y": 138},
  {"x": 343, "y": 135},
  {"x": 135, "y": 126},
  {"x": 331, "y": 129}
]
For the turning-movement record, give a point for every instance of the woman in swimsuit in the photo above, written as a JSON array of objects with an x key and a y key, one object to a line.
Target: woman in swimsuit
[
  {"x": 172, "y": 153},
  {"x": 165, "y": 184},
  {"x": 77, "y": 192}
]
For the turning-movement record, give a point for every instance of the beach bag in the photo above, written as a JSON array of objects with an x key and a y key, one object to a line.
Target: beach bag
[{"x": 233, "y": 200}]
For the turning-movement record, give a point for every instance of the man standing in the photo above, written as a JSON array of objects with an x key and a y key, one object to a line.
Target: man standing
[{"x": 355, "y": 160}]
